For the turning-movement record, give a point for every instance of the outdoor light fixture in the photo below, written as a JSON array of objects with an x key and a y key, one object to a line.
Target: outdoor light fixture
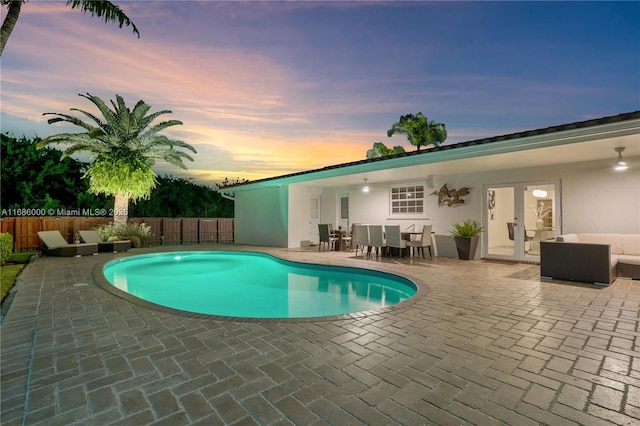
[
  {"x": 365, "y": 188},
  {"x": 620, "y": 163},
  {"x": 539, "y": 193}
]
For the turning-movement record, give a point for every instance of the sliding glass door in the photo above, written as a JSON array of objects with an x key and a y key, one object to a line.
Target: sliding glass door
[{"x": 517, "y": 217}]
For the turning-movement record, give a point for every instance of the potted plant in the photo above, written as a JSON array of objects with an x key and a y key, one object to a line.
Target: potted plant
[{"x": 466, "y": 236}]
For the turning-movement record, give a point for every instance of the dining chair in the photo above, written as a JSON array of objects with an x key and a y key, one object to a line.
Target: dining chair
[
  {"x": 394, "y": 239},
  {"x": 344, "y": 237},
  {"x": 352, "y": 234},
  {"x": 361, "y": 237},
  {"x": 376, "y": 239},
  {"x": 425, "y": 241},
  {"x": 325, "y": 237},
  {"x": 511, "y": 230},
  {"x": 332, "y": 231}
]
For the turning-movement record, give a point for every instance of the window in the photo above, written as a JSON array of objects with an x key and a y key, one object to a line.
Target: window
[
  {"x": 344, "y": 208},
  {"x": 407, "y": 200}
]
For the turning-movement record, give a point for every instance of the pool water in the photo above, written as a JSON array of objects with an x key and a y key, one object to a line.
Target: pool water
[{"x": 254, "y": 285}]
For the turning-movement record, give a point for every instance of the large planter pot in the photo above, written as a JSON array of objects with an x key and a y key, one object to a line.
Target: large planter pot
[{"x": 467, "y": 247}]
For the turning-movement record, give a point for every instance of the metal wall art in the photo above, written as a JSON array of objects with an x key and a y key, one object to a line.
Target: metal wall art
[{"x": 450, "y": 197}]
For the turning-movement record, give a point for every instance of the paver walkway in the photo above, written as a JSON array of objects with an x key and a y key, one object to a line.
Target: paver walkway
[{"x": 487, "y": 343}]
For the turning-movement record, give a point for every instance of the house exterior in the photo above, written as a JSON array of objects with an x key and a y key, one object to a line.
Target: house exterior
[{"x": 491, "y": 180}]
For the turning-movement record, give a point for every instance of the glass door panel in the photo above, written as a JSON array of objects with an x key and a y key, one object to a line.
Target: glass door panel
[
  {"x": 541, "y": 216},
  {"x": 500, "y": 213}
]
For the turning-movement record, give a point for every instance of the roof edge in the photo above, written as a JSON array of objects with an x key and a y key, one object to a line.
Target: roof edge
[{"x": 537, "y": 136}]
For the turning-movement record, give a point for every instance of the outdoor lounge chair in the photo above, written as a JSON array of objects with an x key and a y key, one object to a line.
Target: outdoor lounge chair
[
  {"x": 55, "y": 245},
  {"x": 104, "y": 246}
]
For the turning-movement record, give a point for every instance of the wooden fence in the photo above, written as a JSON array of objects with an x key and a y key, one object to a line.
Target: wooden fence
[{"x": 163, "y": 230}]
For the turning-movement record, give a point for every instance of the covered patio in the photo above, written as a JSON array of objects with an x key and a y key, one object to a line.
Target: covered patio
[{"x": 483, "y": 342}]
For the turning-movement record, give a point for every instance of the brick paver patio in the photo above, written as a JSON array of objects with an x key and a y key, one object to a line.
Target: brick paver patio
[{"x": 485, "y": 343}]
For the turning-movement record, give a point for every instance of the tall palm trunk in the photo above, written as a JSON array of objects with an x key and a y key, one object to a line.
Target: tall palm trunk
[
  {"x": 13, "y": 11},
  {"x": 120, "y": 209}
]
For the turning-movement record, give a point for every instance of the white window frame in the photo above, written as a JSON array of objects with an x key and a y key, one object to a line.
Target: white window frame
[{"x": 408, "y": 197}]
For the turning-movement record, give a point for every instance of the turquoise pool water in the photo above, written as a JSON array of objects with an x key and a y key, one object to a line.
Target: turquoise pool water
[{"x": 254, "y": 285}]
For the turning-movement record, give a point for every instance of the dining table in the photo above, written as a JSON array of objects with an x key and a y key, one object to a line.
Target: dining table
[
  {"x": 341, "y": 243},
  {"x": 539, "y": 234},
  {"x": 408, "y": 236}
]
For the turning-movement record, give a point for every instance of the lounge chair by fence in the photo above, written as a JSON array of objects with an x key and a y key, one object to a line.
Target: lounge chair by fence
[
  {"x": 55, "y": 245},
  {"x": 104, "y": 246}
]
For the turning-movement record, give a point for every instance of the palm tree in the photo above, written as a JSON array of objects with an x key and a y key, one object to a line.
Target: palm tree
[
  {"x": 381, "y": 150},
  {"x": 419, "y": 130},
  {"x": 103, "y": 9},
  {"x": 125, "y": 147}
]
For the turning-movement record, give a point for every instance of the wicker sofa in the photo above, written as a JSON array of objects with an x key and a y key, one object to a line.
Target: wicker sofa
[{"x": 591, "y": 257}]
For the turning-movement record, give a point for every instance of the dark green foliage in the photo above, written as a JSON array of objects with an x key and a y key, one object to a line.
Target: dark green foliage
[
  {"x": 468, "y": 228},
  {"x": 6, "y": 247},
  {"x": 33, "y": 178},
  {"x": 38, "y": 179},
  {"x": 227, "y": 183},
  {"x": 178, "y": 197},
  {"x": 381, "y": 150},
  {"x": 420, "y": 130}
]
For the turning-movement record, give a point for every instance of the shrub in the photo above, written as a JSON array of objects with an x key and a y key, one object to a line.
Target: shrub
[
  {"x": 131, "y": 231},
  {"x": 6, "y": 246},
  {"x": 469, "y": 228}
]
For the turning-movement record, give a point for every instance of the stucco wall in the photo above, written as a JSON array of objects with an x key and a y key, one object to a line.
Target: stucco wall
[
  {"x": 597, "y": 199},
  {"x": 261, "y": 217},
  {"x": 300, "y": 226}
]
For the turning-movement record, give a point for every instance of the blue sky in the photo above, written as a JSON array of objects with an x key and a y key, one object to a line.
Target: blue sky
[{"x": 269, "y": 88}]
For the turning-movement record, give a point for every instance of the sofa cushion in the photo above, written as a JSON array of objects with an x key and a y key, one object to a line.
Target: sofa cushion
[
  {"x": 631, "y": 244},
  {"x": 629, "y": 260},
  {"x": 567, "y": 238},
  {"x": 614, "y": 240}
]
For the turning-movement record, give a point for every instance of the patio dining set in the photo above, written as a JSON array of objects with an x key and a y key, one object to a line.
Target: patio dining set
[{"x": 388, "y": 240}]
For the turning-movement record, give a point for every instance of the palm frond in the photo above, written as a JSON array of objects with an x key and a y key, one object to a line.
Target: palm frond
[
  {"x": 81, "y": 143},
  {"x": 110, "y": 116},
  {"x": 104, "y": 9},
  {"x": 147, "y": 120},
  {"x": 97, "y": 120},
  {"x": 69, "y": 119}
]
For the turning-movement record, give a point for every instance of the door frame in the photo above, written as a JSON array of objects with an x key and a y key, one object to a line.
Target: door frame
[
  {"x": 519, "y": 188},
  {"x": 314, "y": 235}
]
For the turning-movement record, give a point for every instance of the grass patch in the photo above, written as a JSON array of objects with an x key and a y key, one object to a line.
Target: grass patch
[{"x": 9, "y": 272}]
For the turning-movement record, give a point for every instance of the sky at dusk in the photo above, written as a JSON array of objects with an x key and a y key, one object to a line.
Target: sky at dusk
[{"x": 269, "y": 88}]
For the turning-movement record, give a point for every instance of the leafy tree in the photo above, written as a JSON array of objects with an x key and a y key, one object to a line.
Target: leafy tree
[
  {"x": 179, "y": 197},
  {"x": 227, "y": 183},
  {"x": 37, "y": 179},
  {"x": 100, "y": 8},
  {"x": 380, "y": 150},
  {"x": 419, "y": 130},
  {"x": 125, "y": 147}
]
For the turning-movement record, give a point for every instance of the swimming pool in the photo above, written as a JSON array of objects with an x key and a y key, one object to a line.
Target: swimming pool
[{"x": 254, "y": 285}]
